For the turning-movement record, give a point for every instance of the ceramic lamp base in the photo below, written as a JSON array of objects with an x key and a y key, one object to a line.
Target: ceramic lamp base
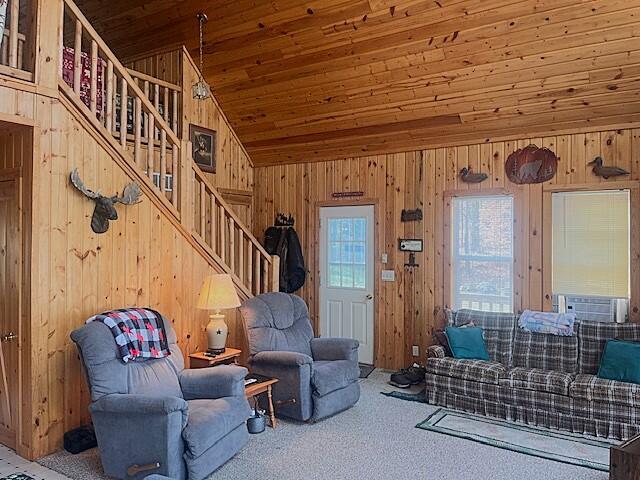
[{"x": 217, "y": 332}]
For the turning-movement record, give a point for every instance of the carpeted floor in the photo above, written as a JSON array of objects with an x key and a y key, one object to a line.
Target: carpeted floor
[{"x": 376, "y": 439}]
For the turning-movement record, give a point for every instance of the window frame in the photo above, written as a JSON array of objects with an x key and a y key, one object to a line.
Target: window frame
[{"x": 450, "y": 255}]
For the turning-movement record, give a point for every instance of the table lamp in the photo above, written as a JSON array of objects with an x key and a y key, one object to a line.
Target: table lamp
[{"x": 217, "y": 293}]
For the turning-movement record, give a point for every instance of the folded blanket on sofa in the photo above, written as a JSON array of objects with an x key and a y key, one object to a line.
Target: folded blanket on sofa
[
  {"x": 548, "y": 322},
  {"x": 139, "y": 332}
]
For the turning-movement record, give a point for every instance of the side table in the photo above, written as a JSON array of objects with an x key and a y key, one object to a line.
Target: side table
[
  {"x": 201, "y": 360},
  {"x": 625, "y": 460}
]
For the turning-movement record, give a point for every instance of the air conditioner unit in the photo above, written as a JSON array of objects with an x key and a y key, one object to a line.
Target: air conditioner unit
[{"x": 600, "y": 309}]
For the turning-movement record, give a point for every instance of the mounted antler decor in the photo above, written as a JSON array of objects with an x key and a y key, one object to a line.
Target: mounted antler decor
[
  {"x": 605, "y": 172},
  {"x": 105, "y": 208},
  {"x": 531, "y": 165},
  {"x": 467, "y": 176}
]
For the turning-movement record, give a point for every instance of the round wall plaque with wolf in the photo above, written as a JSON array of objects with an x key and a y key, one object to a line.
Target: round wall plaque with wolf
[{"x": 531, "y": 165}]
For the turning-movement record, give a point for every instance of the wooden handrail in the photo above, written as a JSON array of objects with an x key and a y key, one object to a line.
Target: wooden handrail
[
  {"x": 163, "y": 83},
  {"x": 202, "y": 178},
  {"x": 216, "y": 226}
]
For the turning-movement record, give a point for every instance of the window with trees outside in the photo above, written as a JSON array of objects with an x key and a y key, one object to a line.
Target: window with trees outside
[{"x": 482, "y": 253}]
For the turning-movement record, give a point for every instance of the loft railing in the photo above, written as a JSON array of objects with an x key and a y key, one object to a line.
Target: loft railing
[
  {"x": 16, "y": 41},
  {"x": 96, "y": 81},
  {"x": 165, "y": 96},
  {"x": 224, "y": 235}
]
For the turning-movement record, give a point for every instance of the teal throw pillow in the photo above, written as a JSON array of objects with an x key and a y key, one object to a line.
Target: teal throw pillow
[
  {"x": 467, "y": 343},
  {"x": 620, "y": 361}
]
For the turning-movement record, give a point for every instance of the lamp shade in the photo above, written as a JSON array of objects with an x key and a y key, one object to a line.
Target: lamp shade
[{"x": 218, "y": 293}]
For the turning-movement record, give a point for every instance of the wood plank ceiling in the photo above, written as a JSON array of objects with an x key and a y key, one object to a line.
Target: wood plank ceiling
[{"x": 326, "y": 79}]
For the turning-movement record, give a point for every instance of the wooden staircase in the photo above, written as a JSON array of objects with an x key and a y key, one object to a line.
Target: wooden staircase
[{"x": 144, "y": 131}]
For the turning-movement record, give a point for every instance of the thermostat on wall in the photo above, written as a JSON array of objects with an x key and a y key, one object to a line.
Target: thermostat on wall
[{"x": 410, "y": 244}]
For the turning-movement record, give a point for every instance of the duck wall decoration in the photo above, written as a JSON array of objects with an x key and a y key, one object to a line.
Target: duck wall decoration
[
  {"x": 467, "y": 176},
  {"x": 606, "y": 172}
]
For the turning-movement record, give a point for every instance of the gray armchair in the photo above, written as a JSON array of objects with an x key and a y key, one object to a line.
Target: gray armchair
[
  {"x": 189, "y": 421},
  {"x": 320, "y": 374}
]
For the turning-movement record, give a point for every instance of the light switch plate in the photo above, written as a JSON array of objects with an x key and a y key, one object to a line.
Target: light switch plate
[
  {"x": 384, "y": 258},
  {"x": 388, "y": 275},
  {"x": 416, "y": 351}
]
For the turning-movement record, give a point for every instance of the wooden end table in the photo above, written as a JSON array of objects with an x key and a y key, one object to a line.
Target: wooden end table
[
  {"x": 263, "y": 385},
  {"x": 625, "y": 460},
  {"x": 200, "y": 360},
  {"x": 231, "y": 356}
]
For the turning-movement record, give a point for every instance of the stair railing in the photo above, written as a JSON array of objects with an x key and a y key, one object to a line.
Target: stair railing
[
  {"x": 225, "y": 236},
  {"x": 94, "y": 79}
]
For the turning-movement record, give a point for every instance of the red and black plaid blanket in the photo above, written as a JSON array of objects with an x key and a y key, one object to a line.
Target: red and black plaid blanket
[{"x": 139, "y": 332}]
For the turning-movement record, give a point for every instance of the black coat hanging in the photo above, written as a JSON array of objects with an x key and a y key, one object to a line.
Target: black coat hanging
[{"x": 282, "y": 240}]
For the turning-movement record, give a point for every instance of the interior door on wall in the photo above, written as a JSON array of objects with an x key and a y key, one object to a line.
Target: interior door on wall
[
  {"x": 347, "y": 275},
  {"x": 10, "y": 240}
]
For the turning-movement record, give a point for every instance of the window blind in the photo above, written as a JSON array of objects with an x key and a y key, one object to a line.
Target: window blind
[{"x": 590, "y": 247}]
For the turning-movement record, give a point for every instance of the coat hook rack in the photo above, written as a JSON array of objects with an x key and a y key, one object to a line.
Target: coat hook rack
[{"x": 283, "y": 220}]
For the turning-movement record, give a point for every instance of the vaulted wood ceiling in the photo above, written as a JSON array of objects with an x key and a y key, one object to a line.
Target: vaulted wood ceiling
[{"x": 306, "y": 80}]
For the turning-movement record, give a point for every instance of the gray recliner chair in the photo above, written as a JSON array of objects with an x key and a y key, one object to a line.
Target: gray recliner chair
[
  {"x": 320, "y": 374},
  {"x": 143, "y": 412}
]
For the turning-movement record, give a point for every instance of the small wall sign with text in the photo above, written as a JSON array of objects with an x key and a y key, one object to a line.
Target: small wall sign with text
[
  {"x": 410, "y": 244},
  {"x": 347, "y": 194}
]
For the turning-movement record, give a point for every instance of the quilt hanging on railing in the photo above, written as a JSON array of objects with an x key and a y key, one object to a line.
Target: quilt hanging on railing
[{"x": 68, "y": 55}]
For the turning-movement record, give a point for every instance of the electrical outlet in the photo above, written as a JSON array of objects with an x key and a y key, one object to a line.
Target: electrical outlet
[
  {"x": 416, "y": 351},
  {"x": 384, "y": 258}
]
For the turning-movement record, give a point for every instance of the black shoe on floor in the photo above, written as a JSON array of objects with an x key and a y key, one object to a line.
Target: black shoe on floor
[{"x": 408, "y": 376}]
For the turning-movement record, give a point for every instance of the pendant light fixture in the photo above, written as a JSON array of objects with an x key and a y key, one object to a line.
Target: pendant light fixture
[{"x": 201, "y": 89}]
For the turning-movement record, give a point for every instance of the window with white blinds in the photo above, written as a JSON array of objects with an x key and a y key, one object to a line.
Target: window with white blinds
[
  {"x": 590, "y": 248},
  {"x": 482, "y": 253}
]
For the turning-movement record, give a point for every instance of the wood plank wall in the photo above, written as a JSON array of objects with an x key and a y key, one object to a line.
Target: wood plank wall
[
  {"x": 405, "y": 308},
  {"x": 141, "y": 260}
]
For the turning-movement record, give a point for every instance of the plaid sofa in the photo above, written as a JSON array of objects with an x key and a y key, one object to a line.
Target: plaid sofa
[{"x": 538, "y": 379}]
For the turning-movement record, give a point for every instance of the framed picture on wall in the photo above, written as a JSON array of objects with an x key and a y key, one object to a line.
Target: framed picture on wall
[{"x": 203, "y": 141}]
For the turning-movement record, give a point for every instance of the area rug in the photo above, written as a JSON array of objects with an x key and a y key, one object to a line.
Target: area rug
[
  {"x": 538, "y": 442},
  {"x": 365, "y": 370},
  {"x": 17, "y": 476},
  {"x": 408, "y": 396}
]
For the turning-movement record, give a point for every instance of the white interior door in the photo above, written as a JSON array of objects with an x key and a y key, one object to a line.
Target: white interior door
[{"x": 347, "y": 275}]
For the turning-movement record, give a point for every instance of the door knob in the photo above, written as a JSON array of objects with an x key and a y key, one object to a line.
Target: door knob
[
  {"x": 8, "y": 337},
  {"x": 369, "y": 297}
]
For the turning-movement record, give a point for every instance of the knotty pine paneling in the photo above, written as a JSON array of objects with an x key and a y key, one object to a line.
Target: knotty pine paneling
[
  {"x": 405, "y": 308},
  {"x": 142, "y": 260}
]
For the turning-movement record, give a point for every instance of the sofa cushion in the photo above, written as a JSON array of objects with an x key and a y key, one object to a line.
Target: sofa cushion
[
  {"x": 539, "y": 380},
  {"x": 467, "y": 343},
  {"x": 329, "y": 376},
  {"x": 545, "y": 351},
  {"x": 595, "y": 389},
  {"x": 621, "y": 361},
  {"x": 210, "y": 420},
  {"x": 477, "y": 370},
  {"x": 497, "y": 330},
  {"x": 593, "y": 337}
]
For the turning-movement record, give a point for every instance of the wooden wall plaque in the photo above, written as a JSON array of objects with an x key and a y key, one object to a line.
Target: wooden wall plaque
[{"x": 531, "y": 165}]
